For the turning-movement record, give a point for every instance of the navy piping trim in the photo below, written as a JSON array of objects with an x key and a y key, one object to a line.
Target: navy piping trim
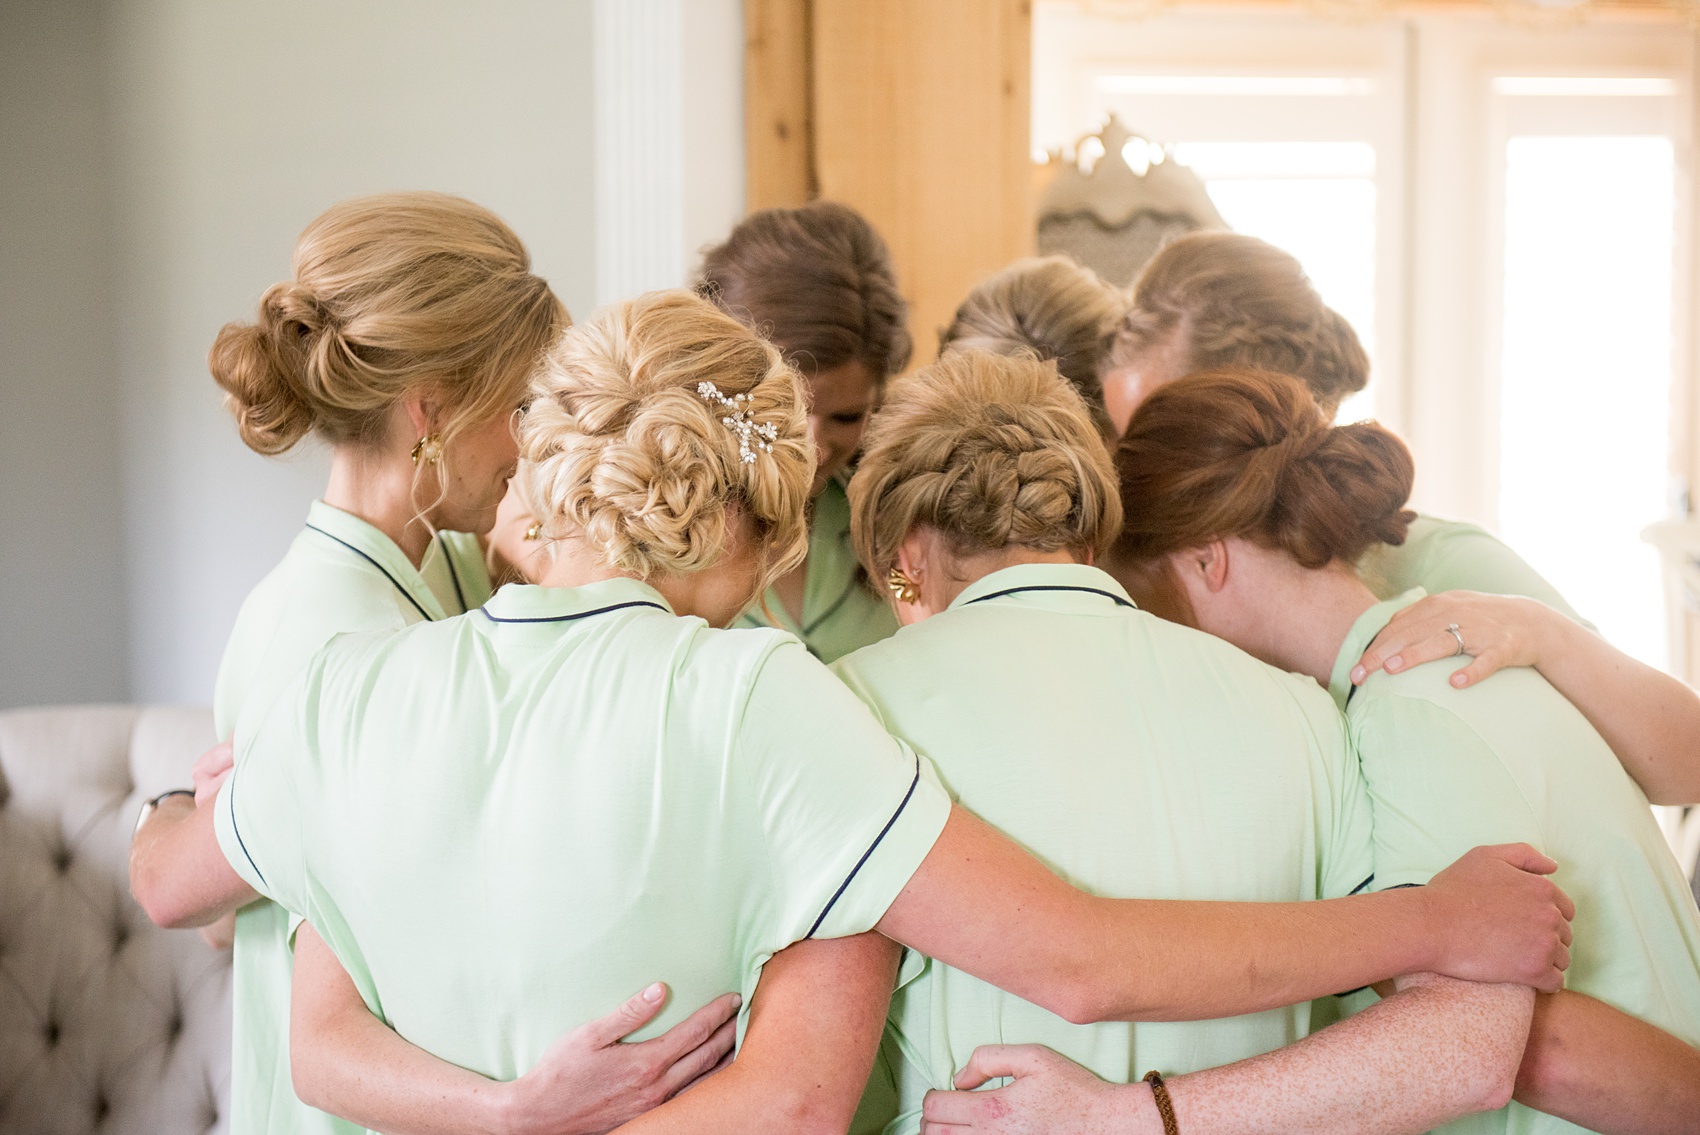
[
  {"x": 845, "y": 885},
  {"x": 454, "y": 576},
  {"x": 569, "y": 618},
  {"x": 405, "y": 593},
  {"x": 833, "y": 610},
  {"x": 1363, "y": 886},
  {"x": 240, "y": 842},
  {"x": 1352, "y": 693},
  {"x": 1110, "y": 595}
]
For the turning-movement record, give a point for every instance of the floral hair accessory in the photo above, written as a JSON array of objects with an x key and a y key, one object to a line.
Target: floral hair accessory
[{"x": 752, "y": 435}]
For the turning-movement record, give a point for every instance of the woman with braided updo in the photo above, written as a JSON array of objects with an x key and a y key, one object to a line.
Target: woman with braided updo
[
  {"x": 494, "y": 820},
  {"x": 1136, "y": 757},
  {"x": 818, "y": 283},
  {"x": 1052, "y": 308},
  {"x": 1248, "y": 510}
]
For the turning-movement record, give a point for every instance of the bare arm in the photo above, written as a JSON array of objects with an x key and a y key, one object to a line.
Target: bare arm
[
  {"x": 1605, "y": 1070},
  {"x": 1434, "y": 1051},
  {"x": 815, "y": 1023},
  {"x": 1650, "y": 720},
  {"x": 346, "y": 1061},
  {"x": 177, "y": 871},
  {"x": 1091, "y": 959}
]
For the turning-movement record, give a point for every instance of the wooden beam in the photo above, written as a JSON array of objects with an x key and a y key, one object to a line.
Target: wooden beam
[
  {"x": 778, "y": 126},
  {"x": 922, "y": 122}
]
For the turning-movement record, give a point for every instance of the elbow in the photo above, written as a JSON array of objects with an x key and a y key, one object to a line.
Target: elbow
[
  {"x": 1498, "y": 1084},
  {"x": 1077, "y": 999},
  {"x": 154, "y": 892}
]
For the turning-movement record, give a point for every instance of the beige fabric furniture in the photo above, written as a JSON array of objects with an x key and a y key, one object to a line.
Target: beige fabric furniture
[{"x": 107, "y": 1023}]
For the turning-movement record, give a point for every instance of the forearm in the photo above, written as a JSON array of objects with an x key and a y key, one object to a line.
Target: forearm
[
  {"x": 815, "y": 1023},
  {"x": 1650, "y": 720},
  {"x": 177, "y": 872},
  {"x": 1434, "y": 1051},
  {"x": 1605, "y": 1070},
  {"x": 1092, "y": 959},
  {"x": 346, "y": 1061}
]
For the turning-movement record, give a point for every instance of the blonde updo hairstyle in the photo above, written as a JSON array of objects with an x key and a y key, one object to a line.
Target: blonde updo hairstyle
[
  {"x": 991, "y": 452},
  {"x": 1237, "y": 301},
  {"x": 1233, "y": 453},
  {"x": 392, "y": 295},
  {"x": 620, "y": 448},
  {"x": 1049, "y": 307}
]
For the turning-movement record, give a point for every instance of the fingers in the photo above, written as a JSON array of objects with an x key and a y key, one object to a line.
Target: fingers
[
  {"x": 991, "y": 1061},
  {"x": 704, "y": 1060},
  {"x": 1481, "y": 666},
  {"x": 1523, "y": 857},
  {"x": 953, "y": 1110},
  {"x": 695, "y": 1030},
  {"x": 637, "y": 1012}
]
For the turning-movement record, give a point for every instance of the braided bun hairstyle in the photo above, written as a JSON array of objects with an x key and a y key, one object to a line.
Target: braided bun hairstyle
[
  {"x": 990, "y": 451},
  {"x": 392, "y": 295},
  {"x": 1237, "y": 301},
  {"x": 620, "y": 448},
  {"x": 1050, "y": 307},
  {"x": 1226, "y": 453},
  {"x": 818, "y": 283}
]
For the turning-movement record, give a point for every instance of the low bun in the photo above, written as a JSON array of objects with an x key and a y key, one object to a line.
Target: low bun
[
  {"x": 392, "y": 295},
  {"x": 991, "y": 452},
  {"x": 1222, "y": 454},
  {"x": 621, "y": 448},
  {"x": 260, "y": 367}
]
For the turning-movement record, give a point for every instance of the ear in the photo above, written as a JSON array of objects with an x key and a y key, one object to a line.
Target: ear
[
  {"x": 422, "y": 412},
  {"x": 912, "y": 556},
  {"x": 1207, "y": 565}
]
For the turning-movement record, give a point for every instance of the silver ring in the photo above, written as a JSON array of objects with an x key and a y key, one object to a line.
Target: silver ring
[{"x": 1452, "y": 629}]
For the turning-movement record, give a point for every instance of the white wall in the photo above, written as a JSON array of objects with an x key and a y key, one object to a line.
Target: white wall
[
  {"x": 203, "y": 135},
  {"x": 62, "y": 627}
]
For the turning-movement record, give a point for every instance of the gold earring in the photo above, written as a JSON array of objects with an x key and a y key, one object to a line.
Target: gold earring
[
  {"x": 428, "y": 448},
  {"x": 534, "y": 530},
  {"x": 902, "y": 586}
]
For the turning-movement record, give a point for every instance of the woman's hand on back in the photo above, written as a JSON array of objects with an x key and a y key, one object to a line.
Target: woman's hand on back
[
  {"x": 1049, "y": 1095},
  {"x": 1500, "y": 920},
  {"x": 589, "y": 1080},
  {"x": 1496, "y": 631},
  {"x": 210, "y": 770}
]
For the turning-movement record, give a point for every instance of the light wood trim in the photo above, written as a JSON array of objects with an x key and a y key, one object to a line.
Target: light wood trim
[
  {"x": 778, "y": 125},
  {"x": 922, "y": 116}
]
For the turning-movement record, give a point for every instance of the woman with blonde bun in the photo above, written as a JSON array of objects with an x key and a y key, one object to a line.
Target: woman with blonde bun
[
  {"x": 1136, "y": 757},
  {"x": 1050, "y": 307},
  {"x": 405, "y": 340},
  {"x": 1223, "y": 299},
  {"x": 817, "y": 281},
  {"x": 506, "y": 815},
  {"x": 1253, "y": 510}
]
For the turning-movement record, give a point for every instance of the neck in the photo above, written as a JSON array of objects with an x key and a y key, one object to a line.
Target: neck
[
  {"x": 1306, "y": 615},
  {"x": 965, "y": 571},
  {"x": 571, "y": 564},
  {"x": 379, "y": 490}
]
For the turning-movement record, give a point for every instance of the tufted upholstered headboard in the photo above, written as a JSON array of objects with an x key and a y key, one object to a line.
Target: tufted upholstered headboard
[{"x": 107, "y": 1023}]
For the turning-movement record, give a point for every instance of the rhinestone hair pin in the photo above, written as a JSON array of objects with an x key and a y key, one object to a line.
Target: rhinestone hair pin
[{"x": 752, "y": 435}]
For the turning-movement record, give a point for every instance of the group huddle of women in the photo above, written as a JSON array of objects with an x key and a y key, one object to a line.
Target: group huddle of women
[{"x": 1081, "y": 716}]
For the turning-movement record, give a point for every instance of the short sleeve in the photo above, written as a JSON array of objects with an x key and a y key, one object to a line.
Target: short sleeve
[
  {"x": 257, "y": 818},
  {"x": 1466, "y": 558},
  {"x": 1436, "y": 788},
  {"x": 1347, "y": 865},
  {"x": 848, "y": 811}
]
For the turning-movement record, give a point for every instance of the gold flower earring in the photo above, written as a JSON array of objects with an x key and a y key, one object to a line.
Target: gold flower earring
[
  {"x": 428, "y": 449},
  {"x": 534, "y": 530},
  {"x": 905, "y": 589}
]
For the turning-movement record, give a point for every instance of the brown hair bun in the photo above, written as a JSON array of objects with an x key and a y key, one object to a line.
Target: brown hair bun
[
  {"x": 1237, "y": 301},
  {"x": 1228, "y": 453},
  {"x": 818, "y": 283}
]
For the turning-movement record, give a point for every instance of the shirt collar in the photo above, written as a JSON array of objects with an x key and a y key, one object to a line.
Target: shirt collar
[
  {"x": 1363, "y": 632},
  {"x": 1051, "y": 585},
  {"x": 528, "y": 603},
  {"x": 366, "y": 541}
]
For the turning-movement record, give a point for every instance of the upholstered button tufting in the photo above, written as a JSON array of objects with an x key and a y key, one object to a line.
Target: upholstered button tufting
[
  {"x": 120, "y": 937},
  {"x": 50, "y": 1032},
  {"x": 62, "y": 859},
  {"x": 102, "y": 1108}
]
